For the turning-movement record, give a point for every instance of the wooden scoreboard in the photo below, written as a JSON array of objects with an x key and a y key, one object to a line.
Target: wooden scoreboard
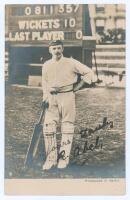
[{"x": 29, "y": 28}]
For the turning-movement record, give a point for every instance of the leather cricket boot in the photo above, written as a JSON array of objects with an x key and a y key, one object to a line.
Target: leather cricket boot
[
  {"x": 51, "y": 151},
  {"x": 65, "y": 149}
]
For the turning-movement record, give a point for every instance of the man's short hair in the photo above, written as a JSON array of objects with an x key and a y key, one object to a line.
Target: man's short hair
[{"x": 55, "y": 42}]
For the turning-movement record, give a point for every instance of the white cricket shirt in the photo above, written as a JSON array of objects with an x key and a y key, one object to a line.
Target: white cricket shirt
[{"x": 64, "y": 72}]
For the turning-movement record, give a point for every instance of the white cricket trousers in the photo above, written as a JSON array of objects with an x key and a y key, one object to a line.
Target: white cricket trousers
[{"x": 61, "y": 109}]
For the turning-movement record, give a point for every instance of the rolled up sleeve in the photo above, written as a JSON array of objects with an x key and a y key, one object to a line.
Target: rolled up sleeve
[{"x": 87, "y": 74}]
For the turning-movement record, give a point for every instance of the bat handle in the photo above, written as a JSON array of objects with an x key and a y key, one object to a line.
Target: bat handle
[{"x": 44, "y": 107}]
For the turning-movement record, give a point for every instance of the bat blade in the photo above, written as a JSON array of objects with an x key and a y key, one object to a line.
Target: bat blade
[
  {"x": 32, "y": 149},
  {"x": 33, "y": 145}
]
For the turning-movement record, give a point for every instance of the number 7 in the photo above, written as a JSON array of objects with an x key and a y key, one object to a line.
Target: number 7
[{"x": 76, "y": 7}]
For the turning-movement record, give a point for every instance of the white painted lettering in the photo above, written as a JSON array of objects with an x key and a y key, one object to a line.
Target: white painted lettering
[{"x": 79, "y": 34}]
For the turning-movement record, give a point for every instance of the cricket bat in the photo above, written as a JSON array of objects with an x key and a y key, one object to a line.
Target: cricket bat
[{"x": 33, "y": 146}]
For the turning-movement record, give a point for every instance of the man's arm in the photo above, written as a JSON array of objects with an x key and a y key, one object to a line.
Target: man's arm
[
  {"x": 46, "y": 89},
  {"x": 44, "y": 85},
  {"x": 87, "y": 75},
  {"x": 79, "y": 85}
]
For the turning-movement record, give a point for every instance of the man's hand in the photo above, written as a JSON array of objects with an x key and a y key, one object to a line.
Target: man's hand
[
  {"x": 53, "y": 90},
  {"x": 45, "y": 99}
]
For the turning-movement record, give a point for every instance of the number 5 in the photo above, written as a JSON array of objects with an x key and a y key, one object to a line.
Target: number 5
[{"x": 69, "y": 8}]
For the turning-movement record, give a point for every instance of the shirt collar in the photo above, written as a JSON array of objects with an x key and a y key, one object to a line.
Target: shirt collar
[{"x": 53, "y": 60}]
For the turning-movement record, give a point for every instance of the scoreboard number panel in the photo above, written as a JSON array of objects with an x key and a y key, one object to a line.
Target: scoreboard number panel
[
  {"x": 33, "y": 23},
  {"x": 50, "y": 9}
]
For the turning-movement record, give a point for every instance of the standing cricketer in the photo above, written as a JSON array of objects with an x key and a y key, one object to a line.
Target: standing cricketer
[{"x": 59, "y": 76}]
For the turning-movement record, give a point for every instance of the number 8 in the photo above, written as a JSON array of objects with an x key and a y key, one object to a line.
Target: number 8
[{"x": 37, "y": 10}]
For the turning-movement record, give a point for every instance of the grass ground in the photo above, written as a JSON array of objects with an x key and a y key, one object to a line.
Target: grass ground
[{"x": 22, "y": 109}]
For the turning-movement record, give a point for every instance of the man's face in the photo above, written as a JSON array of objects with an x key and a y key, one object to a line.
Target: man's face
[{"x": 56, "y": 51}]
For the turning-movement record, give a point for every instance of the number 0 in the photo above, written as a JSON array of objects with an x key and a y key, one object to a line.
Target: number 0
[{"x": 27, "y": 11}]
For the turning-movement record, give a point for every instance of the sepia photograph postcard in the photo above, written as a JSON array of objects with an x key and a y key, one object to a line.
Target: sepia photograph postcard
[{"x": 65, "y": 77}]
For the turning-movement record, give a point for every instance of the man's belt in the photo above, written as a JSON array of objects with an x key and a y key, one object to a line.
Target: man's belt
[
  {"x": 63, "y": 89},
  {"x": 72, "y": 87}
]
